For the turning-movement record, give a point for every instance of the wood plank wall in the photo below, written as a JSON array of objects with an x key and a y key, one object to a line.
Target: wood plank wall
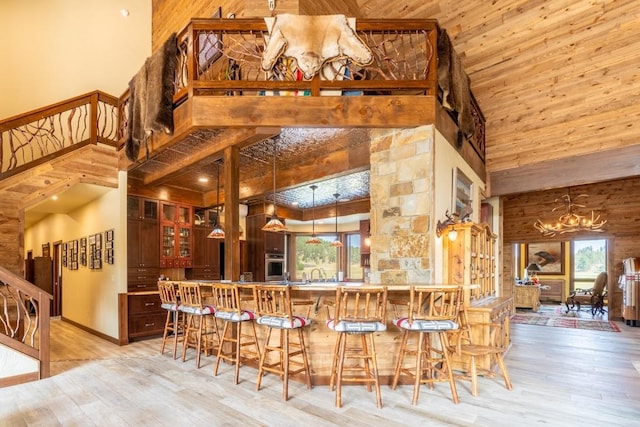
[
  {"x": 12, "y": 242},
  {"x": 617, "y": 201}
]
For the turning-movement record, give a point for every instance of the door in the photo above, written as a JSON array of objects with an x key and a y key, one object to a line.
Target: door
[{"x": 56, "y": 309}]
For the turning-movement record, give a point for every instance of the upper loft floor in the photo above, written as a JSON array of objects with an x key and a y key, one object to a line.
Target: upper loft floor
[{"x": 222, "y": 96}]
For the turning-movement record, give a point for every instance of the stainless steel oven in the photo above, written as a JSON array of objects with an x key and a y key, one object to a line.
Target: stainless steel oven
[{"x": 274, "y": 267}]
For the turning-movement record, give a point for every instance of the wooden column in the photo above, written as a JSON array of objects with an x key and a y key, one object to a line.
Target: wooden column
[{"x": 231, "y": 213}]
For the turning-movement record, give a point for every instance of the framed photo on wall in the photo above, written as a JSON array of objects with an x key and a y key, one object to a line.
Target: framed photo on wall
[
  {"x": 462, "y": 192},
  {"x": 548, "y": 255}
]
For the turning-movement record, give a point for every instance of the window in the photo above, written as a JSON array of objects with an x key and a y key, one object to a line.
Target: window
[
  {"x": 317, "y": 261},
  {"x": 354, "y": 268},
  {"x": 589, "y": 260}
]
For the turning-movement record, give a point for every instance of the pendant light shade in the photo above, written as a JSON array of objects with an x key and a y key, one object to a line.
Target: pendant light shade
[
  {"x": 336, "y": 243},
  {"x": 314, "y": 240},
  {"x": 217, "y": 232},
  {"x": 274, "y": 224}
]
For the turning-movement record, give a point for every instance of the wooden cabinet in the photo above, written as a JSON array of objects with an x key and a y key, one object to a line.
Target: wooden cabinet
[
  {"x": 175, "y": 235},
  {"x": 365, "y": 243},
  {"x": 141, "y": 316},
  {"x": 527, "y": 296},
  {"x": 206, "y": 255},
  {"x": 470, "y": 259},
  {"x": 274, "y": 243},
  {"x": 143, "y": 244}
]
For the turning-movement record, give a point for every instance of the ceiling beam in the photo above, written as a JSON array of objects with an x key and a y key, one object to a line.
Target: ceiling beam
[
  {"x": 606, "y": 165},
  {"x": 229, "y": 138}
]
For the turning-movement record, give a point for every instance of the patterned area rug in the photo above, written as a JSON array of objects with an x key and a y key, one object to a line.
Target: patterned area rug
[{"x": 562, "y": 322}]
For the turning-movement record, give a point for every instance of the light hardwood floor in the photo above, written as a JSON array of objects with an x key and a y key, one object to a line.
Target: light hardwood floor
[{"x": 561, "y": 377}]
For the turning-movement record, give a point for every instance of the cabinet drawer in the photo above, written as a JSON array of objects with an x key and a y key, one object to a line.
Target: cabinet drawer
[
  {"x": 144, "y": 325},
  {"x": 144, "y": 304}
]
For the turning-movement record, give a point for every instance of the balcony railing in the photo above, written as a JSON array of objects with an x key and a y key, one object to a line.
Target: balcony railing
[
  {"x": 37, "y": 136},
  {"x": 222, "y": 57}
]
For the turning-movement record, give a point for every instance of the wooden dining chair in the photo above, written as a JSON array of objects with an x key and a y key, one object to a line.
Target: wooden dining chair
[
  {"x": 275, "y": 310},
  {"x": 432, "y": 311},
  {"x": 462, "y": 344},
  {"x": 226, "y": 297},
  {"x": 359, "y": 313}
]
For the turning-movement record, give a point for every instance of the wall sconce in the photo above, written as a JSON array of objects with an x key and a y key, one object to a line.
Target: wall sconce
[{"x": 442, "y": 226}]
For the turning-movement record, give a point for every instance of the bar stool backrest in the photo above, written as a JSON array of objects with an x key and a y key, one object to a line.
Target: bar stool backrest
[
  {"x": 273, "y": 300},
  {"x": 435, "y": 303},
  {"x": 168, "y": 295},
  {"x": 226, "y": 297},
  {"x": 361, "y": 304},
  {"x": 190, "y": 295}
]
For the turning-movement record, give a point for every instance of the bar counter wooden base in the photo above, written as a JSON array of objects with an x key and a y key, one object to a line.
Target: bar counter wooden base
[{"x": 320, "y": 340}]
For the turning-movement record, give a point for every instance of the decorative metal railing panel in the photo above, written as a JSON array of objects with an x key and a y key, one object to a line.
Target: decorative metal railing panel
[{"x": 28, "y": 138}]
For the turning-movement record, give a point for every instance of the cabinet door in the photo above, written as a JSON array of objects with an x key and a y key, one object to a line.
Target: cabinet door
[
  {"x": 149, "y": 244},
  {"x": 142, "y": 209},
  {"x": 274, "y": 243}
]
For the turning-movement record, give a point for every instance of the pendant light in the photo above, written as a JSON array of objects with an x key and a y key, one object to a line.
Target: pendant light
[
  {"x": 217, "y": 232},
  {"x": 336, "y": 243},
  {"x": 274, "y": 224},
  {"x": 313, "y": 240}
]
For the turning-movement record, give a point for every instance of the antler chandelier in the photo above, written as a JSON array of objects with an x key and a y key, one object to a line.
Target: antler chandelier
[{"x": 570, "y": 222}]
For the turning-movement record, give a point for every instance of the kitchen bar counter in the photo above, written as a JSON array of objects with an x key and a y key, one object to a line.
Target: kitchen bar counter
[{"x": 320, "y": 340}]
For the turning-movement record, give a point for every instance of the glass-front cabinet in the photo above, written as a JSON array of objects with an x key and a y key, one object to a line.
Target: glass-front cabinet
[{"x": 175, "y": 235}]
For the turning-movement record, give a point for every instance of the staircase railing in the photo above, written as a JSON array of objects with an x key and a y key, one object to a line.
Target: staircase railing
[
  {"x": 41, "y": 135},
  {"x": 25, "y": 319}
]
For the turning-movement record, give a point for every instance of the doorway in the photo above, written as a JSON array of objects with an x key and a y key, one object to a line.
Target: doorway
[{"x": 56, "y": 309}]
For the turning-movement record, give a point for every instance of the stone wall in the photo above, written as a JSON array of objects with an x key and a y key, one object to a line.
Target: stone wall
[{"x": 401, "y": 206}]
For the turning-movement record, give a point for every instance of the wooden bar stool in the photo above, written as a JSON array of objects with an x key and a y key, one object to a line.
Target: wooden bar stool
[
  {"x": 196, "y": 334},
  {"x": 358, "y": 312},
  {"x": 433, "y": 310},
  {"x": 275, "y": 311},
  {"x": 175, "y": 319},
  {"x": 226, "y": 297}
]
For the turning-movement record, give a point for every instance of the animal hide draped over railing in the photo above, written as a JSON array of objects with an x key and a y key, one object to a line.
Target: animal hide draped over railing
[
  {"x": 455, "y": 85},
  {"x": 313, "y": 41},
  {"x": 151, "y": 98}
]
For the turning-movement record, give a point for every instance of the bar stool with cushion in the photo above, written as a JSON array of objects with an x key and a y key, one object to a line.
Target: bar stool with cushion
[
  {"x": 226, "y": 297},
  {"x": 201, "y": 326},
  {"x": 274, "y": 308},
  {"x": 175, "y": 319},
  {"x": 464, "y": 346},
  {"x": 359, "y": 312},
  {"x": 432, "y": 310}
]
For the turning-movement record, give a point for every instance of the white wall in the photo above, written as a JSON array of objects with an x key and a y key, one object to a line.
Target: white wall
[
  {"x": 90, "y": 297},
  {"x": 445, "y": 161},
  {"x": 53, "y": 50}
]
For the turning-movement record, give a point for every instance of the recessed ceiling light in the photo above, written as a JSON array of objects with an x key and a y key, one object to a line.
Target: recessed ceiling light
[
  {"x": 124, "y": 12},
  {"x": 203, "y": 179},
  {"x": 54, "y": 198},
  {"x": 294, "y": 203}
]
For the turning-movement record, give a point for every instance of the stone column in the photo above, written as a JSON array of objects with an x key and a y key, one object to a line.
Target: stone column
[{"x": 401, "y": 206}]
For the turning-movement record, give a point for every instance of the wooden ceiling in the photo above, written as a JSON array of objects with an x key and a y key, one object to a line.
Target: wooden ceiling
[{"x": 557, "y": 81}]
